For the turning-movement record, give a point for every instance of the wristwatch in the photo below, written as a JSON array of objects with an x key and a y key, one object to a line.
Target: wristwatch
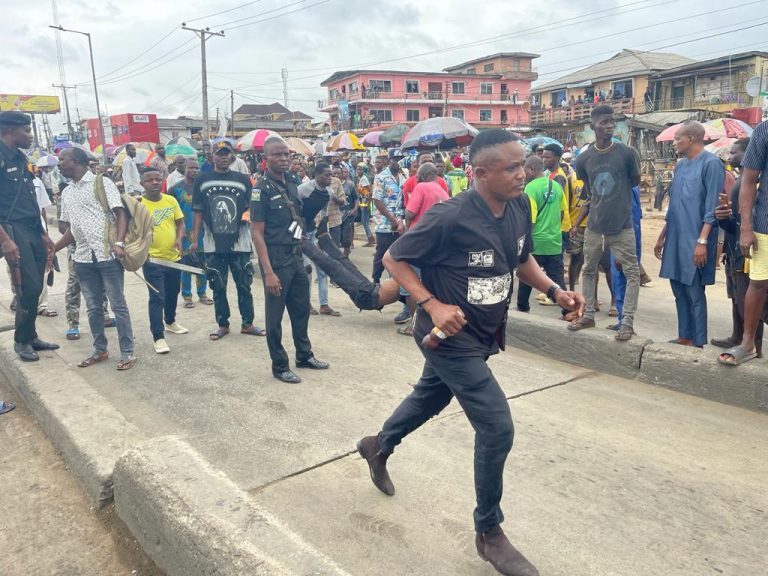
[
  {"x": 120, "y": 244},
  {"x": 551, "y": 292},
  {"x": 702, "y": 241}
]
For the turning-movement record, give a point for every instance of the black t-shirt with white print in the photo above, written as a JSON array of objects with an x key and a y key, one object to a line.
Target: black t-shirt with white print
[
  {"x": 463, "y": 250},
  {"x": 222, "y": 198}
]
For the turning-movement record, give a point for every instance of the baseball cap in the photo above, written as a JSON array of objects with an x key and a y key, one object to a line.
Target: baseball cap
[
  {"x": 396, "y": 153},
  {"x": 222, "y": 145}
]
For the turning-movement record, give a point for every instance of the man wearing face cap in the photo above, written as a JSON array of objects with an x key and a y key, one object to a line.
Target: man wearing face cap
[{"x": 24, "y": 241}]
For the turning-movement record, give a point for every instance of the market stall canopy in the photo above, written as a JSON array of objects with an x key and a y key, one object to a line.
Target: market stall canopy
[
  {"x": 440, "y": 131},
  {"x": 393, "y": 136},
  {"x": 300, "y": 146},
  {"x": 254, "y": 140},
  {"x": 345, "y": 141}
]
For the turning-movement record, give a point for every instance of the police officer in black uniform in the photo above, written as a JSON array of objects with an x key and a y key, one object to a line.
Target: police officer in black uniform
[
  {"x": 277, "y": 229},
  {"x": 25, "y": 243}
]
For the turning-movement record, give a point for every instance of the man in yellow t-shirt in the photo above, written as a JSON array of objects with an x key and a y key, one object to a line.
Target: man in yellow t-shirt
[{"x": 167, "y": 236}]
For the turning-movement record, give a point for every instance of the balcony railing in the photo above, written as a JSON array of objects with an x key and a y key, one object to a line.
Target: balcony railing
[
  {"x": 734, "y": 99},
  {"x": 442, "y": 96},
  {"x": 575, "y": 112}
]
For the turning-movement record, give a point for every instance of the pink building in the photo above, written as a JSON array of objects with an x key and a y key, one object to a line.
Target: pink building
[{"x": 488, "y": 92}]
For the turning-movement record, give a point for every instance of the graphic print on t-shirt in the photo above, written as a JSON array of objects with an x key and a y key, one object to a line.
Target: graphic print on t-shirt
[
  {"x": 223, "y": 214},
  {"x": 161, "y": 215},
  {"x": 604, "y": 184},
  {"x": 483, "y": 259},
  {"x": 483, "y": 291}
]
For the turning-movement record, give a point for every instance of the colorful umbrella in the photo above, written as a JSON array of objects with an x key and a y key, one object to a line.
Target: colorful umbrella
[
  {"x": 541, "y": 141},
  {"x": 373, "y": 139},
  {"x": 143, "y": 150},
  {"x": 319, "y": 147},
  {"x": 393, "y": 136},
  {"x": 254, "y": 140},
  {"x": 721, "y": 148},
  {"x": 438, "y": 131},
  {"x": 710, "y": 133},
  {"x": 182, "y": 141},
  {"x": 300, "y": 146},
  {"x": 345, "y": 141},
  {"x": 47, "y": 161},
  {"x": 731, "y": 127},
  {"x": 172, "y": 150},
  {"x": 66, "y": 145}
]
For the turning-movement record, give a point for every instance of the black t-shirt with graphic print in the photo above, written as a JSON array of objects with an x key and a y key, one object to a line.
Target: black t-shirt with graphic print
[
  {"x": 222, "y": 198},
  {"x": 463, "y": 250}
]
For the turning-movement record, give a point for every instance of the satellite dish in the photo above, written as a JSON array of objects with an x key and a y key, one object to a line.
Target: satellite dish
[{"x": 753, "y": 86}]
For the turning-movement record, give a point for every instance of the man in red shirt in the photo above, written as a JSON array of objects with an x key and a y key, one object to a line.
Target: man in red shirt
[
  {"x": 411, "y": 182},
  {"x": 425, "y": 194}
]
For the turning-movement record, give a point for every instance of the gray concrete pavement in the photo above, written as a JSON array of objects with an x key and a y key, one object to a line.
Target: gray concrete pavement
[{"x": 608, "y": 476}]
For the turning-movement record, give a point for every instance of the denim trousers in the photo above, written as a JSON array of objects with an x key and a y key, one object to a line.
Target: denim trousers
[
  {"x": 98, "y": 279},
  {"x": 162, "y": 304},
  {"x": 322, "y": 277}
]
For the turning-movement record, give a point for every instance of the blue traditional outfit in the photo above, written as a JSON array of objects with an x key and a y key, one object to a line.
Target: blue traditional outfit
[{"x": 693, "y": 197}]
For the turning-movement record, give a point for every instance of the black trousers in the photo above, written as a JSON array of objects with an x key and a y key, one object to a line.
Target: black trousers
[
  {"x": 288, "y": 265},
  {"x": 327, "y": 256},
  {"x": 383, "y": 241},
  {"x": 553, "y": 267},
  {"x": 162, "y": 304},
  {"x": 219, "y": 265},
  {"x": 32, "y": 267},
  {"x": 470, "y": 380}
]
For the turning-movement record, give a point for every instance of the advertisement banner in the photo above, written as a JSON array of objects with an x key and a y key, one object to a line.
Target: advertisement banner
[{"x": 30, "y": 103}]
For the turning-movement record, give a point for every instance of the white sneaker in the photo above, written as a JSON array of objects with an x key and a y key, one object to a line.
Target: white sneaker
[
  {"x": 176, "y": 328},
  {"x": 161, "y": 346}
]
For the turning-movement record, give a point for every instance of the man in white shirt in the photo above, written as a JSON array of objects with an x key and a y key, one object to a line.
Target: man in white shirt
[
  {"x": 239, "y": 165},
  {"x": 97, "y": 264},
  {"x": 131, "y": 180},
  {"x": 180, "y": 165}
]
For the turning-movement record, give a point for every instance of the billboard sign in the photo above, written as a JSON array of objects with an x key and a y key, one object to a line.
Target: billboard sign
[{"x": 30, "y": 103}]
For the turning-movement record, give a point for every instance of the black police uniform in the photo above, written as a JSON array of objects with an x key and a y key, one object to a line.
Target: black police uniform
[
  {"x": 277, "y": 204},
  {"x": 20, "y": 217},
  {"x": 467, "y": 258}
]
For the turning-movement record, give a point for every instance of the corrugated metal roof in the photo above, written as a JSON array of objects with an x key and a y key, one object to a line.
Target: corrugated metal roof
[
  {"x": 625, "y": 64},
  {"x": 667, "y": 118}
]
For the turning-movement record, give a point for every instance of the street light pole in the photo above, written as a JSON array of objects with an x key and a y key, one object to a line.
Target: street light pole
[
  {"x": 204, "y": 34},
  {"x": 95, "y": 90}
]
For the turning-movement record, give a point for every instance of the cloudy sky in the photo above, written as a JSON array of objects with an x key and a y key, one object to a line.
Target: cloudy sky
[{"x": 146, "y": 63}]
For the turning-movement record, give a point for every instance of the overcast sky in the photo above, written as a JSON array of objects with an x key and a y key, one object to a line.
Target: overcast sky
[{"x": 321, "y": 36}]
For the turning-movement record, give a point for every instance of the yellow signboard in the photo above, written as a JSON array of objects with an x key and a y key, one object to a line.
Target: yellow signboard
[{"x": 31, "y": 104}]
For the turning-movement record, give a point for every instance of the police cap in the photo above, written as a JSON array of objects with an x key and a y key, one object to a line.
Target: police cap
[{"x": 13, "y": 118}]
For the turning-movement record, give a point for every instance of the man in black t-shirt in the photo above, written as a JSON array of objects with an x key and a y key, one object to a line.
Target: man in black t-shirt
[
  {"x": 219, "y": 200},
  {"x": 468, "y": 249},
  {"x": 609, "y": 170}
]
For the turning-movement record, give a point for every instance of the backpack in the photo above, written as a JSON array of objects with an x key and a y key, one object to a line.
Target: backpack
[{"x": 138, "y": 236}]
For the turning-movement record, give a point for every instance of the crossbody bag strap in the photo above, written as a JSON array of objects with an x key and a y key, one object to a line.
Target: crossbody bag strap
[{"x": 546, "y": 201}]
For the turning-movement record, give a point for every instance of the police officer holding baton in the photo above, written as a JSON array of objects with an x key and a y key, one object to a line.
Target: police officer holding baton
[
  {"x": 25, "y": 243},
  {"x": 277, "y": 230}
]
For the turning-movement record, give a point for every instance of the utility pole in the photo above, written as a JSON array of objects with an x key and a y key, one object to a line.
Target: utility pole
[
  {"x": 232, "y": 107},
  {"x": 64, "y": 88},
  {"x": 204, "y": 34},
  {"x": 285, "y": 86}
]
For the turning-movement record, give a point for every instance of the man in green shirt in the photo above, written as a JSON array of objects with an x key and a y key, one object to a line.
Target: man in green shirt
[{"x": 548, "y": 202}]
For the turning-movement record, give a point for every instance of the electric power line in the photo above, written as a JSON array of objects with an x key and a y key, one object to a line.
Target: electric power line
[
  {"x": 155, "y": 45},
  {"x": 280, "y": 15},
  {"x": 258, "y": 15},
  {"x": 223, "y": 11},
  {"x": 161, "y": 64}
]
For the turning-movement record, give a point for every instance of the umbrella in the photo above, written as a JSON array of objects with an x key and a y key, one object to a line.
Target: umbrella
[
  {"x": 47, "y": 161},
  {"x": 183, "y": 141},
  {"x": 300, "y": 146},
  {"x": 319, "y": 147},
  {"x": 731, "y": 127},
  {"x": 345, "y": 141},
  {"x": 710, "y": 133},
  {"x": 68, "y": 145},
  {"x": 254, "y": 140},
  {"x": 541, "y": 141},
  {"x": 373, "y": 139},
  {"x": 438, "y": 131},
  {"x": 721, "y": 148},
  {"x": 393, "y": 136},
  {"x": 143, "y": 151}
]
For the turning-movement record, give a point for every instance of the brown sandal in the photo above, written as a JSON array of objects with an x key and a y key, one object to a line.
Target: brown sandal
[
  {"x": 205, "y": 300},
  {"x": 126, "y": 364},
  {"x": 581, "y": 324},
  {"x": 252, "y": 330},
  {"x": 624, "y": 333},
  {"x": 219, "y": 333},
  {"x": 93, "y": 359}
]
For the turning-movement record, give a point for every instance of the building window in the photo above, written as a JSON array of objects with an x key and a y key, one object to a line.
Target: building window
[
  {"x": 503, "y": 119},
  {"x": 411, "y": 115},
  {"x": 485, "y": 116},
  {"x": 557, "y": 98},
  {"x": 411, "y": 86},
  {"x": 333, "y": 94},
  {"x": 380, "y": 86},
  {"x": 486, "y": 88},
  {"x": 457, "y": 114},
  {"x": 353, "y": 87},
  {"x": 488, "y": 68},
  {"x": 622, "y": 89},
  {"x": 457, "y": 87},
  {"x": 380, "y": 115},
  {"x": 471, "y": 71}
]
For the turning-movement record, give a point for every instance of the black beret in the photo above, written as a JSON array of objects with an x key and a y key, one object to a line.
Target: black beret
[{"x": 13, "y": 118}]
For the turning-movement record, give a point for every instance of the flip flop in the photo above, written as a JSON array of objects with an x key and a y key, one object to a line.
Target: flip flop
[
  {"x": 205, "y": 300},
  {"x": 737, "y": 356},
  {"x": 253, "y": 331},
  {"x": 48, "y": 313},
  {"x": 73, "y": 334},
  {"x": 581, "y": 324},
  {"x": 126, "y": 364},
  {"x": 93, "y": 359},
  {"x": 189, "y": 304},
  {"x": 624, "y": 333},
  {"x": 407, "y": 331},
  {"x": 6, "y": 406},
  {"x": 219, "y": 333}
]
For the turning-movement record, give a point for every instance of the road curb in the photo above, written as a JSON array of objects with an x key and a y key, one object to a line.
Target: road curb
[
  {"x": 85, "y": 428},
  {"x": 680, "y": 368},
  {"x": 193, "y": 520},
  {"x": 696, "y": 372},
  {"x": 587, "y": 348}
]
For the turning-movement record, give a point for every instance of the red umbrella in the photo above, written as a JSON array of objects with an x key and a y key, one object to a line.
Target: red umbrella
[
  {"x": 254, "y": 140},
  {"x": 710, "y": 133}
]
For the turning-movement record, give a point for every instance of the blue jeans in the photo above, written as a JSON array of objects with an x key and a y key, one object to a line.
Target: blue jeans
[
  {"x": 97, "y": 279},
  {"x": 186, "y": 285},
  {"x": 691, "y": 304},
  {"x": 162, "y": 304},
  {"x": 470, "y": 380},
  {"x": 322, "y": 277},
  {"x": 365, "y": 220}
]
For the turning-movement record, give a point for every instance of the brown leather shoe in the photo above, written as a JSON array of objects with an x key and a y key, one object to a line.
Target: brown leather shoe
[
  {"x": 494, "y": 547},
  {"x": 369, "y": 449}
]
